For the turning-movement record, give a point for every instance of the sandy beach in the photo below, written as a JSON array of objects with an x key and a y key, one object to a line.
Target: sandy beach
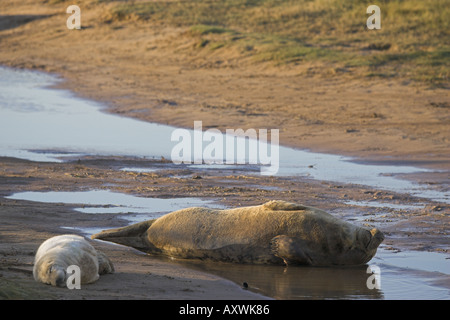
[{"x": 155, "y": 72}]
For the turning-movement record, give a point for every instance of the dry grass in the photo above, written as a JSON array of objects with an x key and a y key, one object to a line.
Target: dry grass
[{"x": 413, "y": 41}]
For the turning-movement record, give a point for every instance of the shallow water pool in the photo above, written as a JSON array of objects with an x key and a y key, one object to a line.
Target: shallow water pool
[
  {"x": 132, "y": 208},
  {"x": 408, "y": 275},
  {"x": 40, "y": 123}
]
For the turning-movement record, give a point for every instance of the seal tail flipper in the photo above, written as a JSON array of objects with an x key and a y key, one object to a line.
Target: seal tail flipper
[
  {"x": 132, "y": 236},
  {"x": 290, "y": 250}
]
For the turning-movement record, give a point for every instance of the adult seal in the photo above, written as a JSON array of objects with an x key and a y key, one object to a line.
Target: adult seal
[
  {"x": 276, "y": 232},
  {"x": 56, "y": 254}
]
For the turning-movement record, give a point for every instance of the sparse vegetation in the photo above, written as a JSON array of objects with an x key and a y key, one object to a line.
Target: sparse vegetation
[{"x": 413, "y": 41}]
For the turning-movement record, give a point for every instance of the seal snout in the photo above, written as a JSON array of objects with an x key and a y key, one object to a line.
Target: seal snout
[{"x": 59, "y": 276}]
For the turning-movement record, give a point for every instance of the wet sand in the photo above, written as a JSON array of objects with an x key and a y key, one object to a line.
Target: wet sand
[
  {"x": 138, "y": 276},
  {"x": 406, "y": 124}
]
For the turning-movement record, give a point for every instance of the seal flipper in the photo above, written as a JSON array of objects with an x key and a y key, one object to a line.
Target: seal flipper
[
  {"x": 104, "y": 264},
  {"x": 132, "y": 236},
  {"x": 291, "y": 250},
  {"x": 281, "y": 205}
]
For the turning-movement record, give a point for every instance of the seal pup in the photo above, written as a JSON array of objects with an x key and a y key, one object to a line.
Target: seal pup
[
  {"x": 56, "y": 254},
  {"x": 276, "y": 232}
]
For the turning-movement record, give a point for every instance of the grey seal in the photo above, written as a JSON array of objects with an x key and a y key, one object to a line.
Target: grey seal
[
  {"x": 276, "y": 232},
  {"x": 56, "y": 254}
]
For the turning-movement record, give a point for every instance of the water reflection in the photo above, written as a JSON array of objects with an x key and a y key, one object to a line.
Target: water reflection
[
  {"x": 402, "y": 275},
  {"x": 295, "y": 282}
]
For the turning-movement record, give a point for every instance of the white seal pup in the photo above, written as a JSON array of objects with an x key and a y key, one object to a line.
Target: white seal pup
[
  {"x": 276, "y": 232},
  {"x": 56, "y": 254}
]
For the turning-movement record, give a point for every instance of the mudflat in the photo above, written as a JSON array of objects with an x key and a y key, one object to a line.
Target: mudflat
[{"x": 26, "y": 224}]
